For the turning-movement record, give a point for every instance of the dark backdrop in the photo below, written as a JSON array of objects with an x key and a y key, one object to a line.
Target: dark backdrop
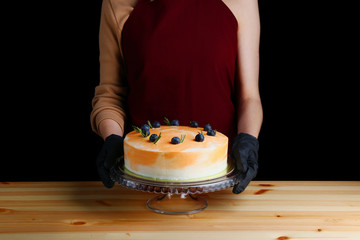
[{"x": 51, "y": 69}]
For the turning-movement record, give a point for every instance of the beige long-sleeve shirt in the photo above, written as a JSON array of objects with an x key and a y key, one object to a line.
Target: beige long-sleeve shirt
[{"x": 110, "y": 95}]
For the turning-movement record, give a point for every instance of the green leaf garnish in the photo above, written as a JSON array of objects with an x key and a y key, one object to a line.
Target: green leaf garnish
[
  {"x": 182, "y": 138},
  {"x": 166, "y": 120},
  {"x": 149, "y": 124},
  {"x": 137, "y": 129},
  {"x": 157, "y": 139}
]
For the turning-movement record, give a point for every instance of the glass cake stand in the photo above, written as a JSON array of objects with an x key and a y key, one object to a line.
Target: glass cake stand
[{"x": 174, "y": 197}]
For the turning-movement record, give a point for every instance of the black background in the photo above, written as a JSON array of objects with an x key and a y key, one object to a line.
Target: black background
[{"x": 51, "y": 69}]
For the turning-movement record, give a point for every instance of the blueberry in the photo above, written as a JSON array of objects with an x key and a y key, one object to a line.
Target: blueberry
[
  {"x": 145, "y": 127},
  {"x": 153, "y": 137},
  {"x": 156, "y": 124},
  {"x": 199, "y": 138},
  {"x": 145, "y": 132},
  {"x": 194, "y": 124},
  {"x": 175, "y": 140},
  {"x": 211, "y": 132},
  {"x": 207, "y": 127},
  {"x": 174, "y": 123}
]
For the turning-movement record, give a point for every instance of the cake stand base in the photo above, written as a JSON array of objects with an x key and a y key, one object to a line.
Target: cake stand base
[{"x": 177, "y": 204}]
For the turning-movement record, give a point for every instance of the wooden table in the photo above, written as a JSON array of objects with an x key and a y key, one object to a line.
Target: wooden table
[{"x": 276, "y": 210}]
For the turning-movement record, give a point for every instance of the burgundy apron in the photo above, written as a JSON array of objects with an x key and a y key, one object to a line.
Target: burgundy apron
[{"x": 180, "y": 58}]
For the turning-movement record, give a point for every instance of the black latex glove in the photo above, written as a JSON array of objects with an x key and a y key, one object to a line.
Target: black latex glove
[
  {"x": 244, "y": 153},
  {"x": 113, "y": 148}
]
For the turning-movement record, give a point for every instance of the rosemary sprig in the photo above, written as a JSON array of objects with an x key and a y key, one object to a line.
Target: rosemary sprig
[
  {"x": 137, "y": 129},
  {"x": 182, "y": 138},
  {"x": 166, "y": 120},
  {"x": 157, "y": 139},
  {"x": 149, "y": 124}
]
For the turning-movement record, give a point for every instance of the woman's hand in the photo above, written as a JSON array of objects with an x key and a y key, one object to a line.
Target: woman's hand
[
  {"x": 113, "y": 148},
  {"x": 244, "y": 153}
]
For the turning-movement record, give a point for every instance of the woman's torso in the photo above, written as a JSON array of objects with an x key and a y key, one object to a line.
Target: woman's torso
[{"x": 181, "y": 60}]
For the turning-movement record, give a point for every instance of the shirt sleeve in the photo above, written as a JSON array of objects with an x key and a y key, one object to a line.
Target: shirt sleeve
[{"x": 110, "y": 95}]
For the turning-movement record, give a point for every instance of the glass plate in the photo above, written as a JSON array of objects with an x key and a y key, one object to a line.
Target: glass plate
[{"x": 176, "y": 197}]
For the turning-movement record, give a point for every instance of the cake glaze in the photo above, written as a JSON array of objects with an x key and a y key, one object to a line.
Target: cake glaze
[{"x": 186, "y": 161}]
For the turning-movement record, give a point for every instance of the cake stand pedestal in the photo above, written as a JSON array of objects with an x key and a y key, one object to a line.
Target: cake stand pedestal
[
  {"x": 174, "y": 197},
  {"x": 177, "y": 204}
]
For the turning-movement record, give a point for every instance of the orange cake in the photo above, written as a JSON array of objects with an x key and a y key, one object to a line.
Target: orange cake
[{"x": 186, "y": 161}]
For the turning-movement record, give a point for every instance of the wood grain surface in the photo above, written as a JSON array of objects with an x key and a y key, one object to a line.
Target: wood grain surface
[{"x": 278, "y": 210}]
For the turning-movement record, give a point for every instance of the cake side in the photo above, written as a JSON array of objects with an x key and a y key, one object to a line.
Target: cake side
[{"x": 166, "y": 161}]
